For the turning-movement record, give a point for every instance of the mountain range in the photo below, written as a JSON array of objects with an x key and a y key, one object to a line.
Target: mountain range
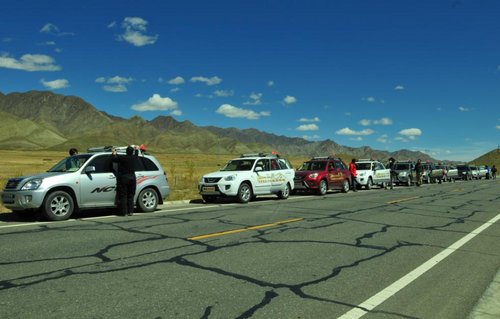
[{"x": 38, "y": 120}]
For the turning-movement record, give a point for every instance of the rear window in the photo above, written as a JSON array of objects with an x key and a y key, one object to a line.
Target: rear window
[{"x": 145, "y": 164}]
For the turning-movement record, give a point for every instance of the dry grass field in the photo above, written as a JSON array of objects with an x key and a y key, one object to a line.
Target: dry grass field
[{"x": 183, "y": 170}]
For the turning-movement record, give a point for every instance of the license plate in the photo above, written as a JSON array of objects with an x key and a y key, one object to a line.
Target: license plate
[
  {"x": 8, "y": 198},
  {"x": 209, "y": 188}
]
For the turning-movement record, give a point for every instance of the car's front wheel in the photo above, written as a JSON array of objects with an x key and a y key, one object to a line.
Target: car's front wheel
[
  {"x": 147, "y": 201},
  {"x": 244, "y": 193},
  {"x": 323, "y": 187},
  {"x": 58, "y": 205},
  {"x": 369, "y": 183}
]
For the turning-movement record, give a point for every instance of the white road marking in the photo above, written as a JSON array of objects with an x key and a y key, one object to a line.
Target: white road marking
[{"x": 391, "y": 290}]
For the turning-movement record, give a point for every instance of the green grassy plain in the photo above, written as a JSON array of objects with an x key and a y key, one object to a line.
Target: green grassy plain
[{"x": 183, "y": 170}]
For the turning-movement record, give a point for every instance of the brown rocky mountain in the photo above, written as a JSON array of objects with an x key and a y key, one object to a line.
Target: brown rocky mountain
[{"x": 44, "y": 120}]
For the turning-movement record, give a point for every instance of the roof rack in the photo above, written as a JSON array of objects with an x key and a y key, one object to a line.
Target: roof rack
[
  {"x": 323, "y": 157},
  {"x": 119, "y": 149},
  {"x": 258, "y": 155}
]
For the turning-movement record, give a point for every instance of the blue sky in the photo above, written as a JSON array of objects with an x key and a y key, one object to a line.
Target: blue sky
[{"x": 421, "y": 75}]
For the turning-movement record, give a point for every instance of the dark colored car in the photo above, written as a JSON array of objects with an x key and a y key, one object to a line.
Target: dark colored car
[
  {"x": 465, "y": 172},
  {"x": 321, "y": 174}
]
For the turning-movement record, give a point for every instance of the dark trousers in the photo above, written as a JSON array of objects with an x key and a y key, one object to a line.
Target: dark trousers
[{"x": 125, "y": 193}]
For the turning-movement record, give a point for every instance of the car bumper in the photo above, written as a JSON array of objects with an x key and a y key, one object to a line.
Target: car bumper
[
  {"x": 21, "y": 200},
  {"x": 220, "y": 189},
  {"x": 305, "y": 184}
]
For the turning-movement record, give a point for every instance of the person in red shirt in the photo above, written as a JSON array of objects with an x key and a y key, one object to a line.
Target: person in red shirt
[{"x": 352, "y": 169}]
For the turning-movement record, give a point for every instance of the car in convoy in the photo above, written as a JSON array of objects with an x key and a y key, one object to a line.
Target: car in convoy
[
  {"x": 85, "y": 181},
  {"x": 404, "y": 173},
  {"x": 464, "y": 172},
  {"x": 482, "y": 171},
  {"x": 443, "y": 173},
  {"x": 321, "y": 174},
  {"x": 248, "y": 176},
  {"x": 474, "y": 171},
  {"x": 372, "y": 172}
]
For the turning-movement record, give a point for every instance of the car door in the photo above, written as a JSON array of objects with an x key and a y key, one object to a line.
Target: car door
[
  {"x": 335, "y": 175},
  {"x": 98, "y": 183},
  {"x": 380, "y": 174},
  {"x": 262, "y": 176}
]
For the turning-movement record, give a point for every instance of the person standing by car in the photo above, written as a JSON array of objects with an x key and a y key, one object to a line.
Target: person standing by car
[
  {"x": 494, "y": 172},
  {"x": 392, "y": 163},
  {"x": 125, "y": 180},
  {"x": 419, "y": 170},
  {"x": 352, "y": 169}
]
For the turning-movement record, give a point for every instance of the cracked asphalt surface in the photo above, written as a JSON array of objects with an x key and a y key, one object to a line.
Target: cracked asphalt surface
[{"x": 335, "y": 252}]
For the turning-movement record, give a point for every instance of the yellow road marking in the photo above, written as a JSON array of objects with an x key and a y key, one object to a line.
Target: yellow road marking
[
  {"x": 239, "y": 230},
  {"x": 402, "y": 200}
]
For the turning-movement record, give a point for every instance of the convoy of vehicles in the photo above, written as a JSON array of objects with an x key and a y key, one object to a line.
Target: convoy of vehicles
[
  {"x": 88, "y": 181},
  {"x": 84, "y": 181}
]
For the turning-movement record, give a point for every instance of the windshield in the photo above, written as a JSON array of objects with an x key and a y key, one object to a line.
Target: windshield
[
  {"x": 70, "y": 163},
  {"x": 313, "y": 166},
  {"x": 364, "y": 166},
  {"x": 239, "y": 165},
  {"x": 402, "y": 167}
]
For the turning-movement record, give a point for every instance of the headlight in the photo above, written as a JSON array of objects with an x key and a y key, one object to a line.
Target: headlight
[
  {"x": 32, "y": 185},
  {"x": 230, "y": 178},
  {"x": 313, "y": 175}
]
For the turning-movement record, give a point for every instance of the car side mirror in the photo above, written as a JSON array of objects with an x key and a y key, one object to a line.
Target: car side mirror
[
  {"x": 89, "y": 169},
  {"x": 258, "y": 169}
]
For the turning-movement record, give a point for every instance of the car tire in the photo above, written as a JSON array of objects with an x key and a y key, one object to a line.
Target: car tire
[
  {"x": 369, "y": 183},
  {"x": 58, "y": 205},
  {"x": 345, "y": 186},
  {"x": 147, "y": 201},
  {"x": 323, "y": 187},
  {"x": 209, "y": 198},
  {"x": 244, "y": 193},
  {"x": 284, "y": 193}
]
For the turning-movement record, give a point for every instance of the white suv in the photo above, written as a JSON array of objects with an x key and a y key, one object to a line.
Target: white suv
[
  {"x": 371, "y": 173},
  {"x": 248, "y": 176}
]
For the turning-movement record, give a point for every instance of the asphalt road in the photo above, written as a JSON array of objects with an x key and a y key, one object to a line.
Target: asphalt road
[{"x": 427, "y": 252}]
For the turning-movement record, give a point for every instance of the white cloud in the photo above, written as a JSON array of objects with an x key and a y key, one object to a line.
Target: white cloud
[
  {"x": 223, "y": 93},
  {"x": 235, "y": 112},
  {"x": 369, "y": 99},
  {"x": 289, "y": 99},
  {"x": 383, "y": 139},
  {"x": 307, "y": 127},
  {"x": 254, "y": 99},
  {"x": 135, "y": 28},
  {"x": 314, "y": 119},
  {"x": 112, "y": 25},
  {"x": 53, "y": 29},
  {"x": 357, "y": 138},
  {"x": 157, "y": 103},
  {"x": 382, "y": 121},
  {"x": 399, "y": 88},
  {"x": 348, "y": 131},
  {"x": 410, "y": 133},
  {"x": 177, "y": 80},
  {"x": 55, "y": 84},
  {"x": 176, "y": 89},
  {"x": 208, "y": 81},
  {"x": 116, "y": 84},
  {"x": 498, "y": 127},
  {"x": 30, "y": 62},
  {"x": 463, "y": 109},
  {"x": 270, "y": 83}
]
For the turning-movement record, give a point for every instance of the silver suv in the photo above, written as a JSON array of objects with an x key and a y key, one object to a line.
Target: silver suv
[
  {"x": 84, "y": 181},
  {"x": 246, "y": 177}
]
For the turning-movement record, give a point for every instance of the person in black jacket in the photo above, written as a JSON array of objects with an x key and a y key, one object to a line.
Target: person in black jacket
[
  {"x": 126, "y": 182},
  {"x": 419, "y": 169}
]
